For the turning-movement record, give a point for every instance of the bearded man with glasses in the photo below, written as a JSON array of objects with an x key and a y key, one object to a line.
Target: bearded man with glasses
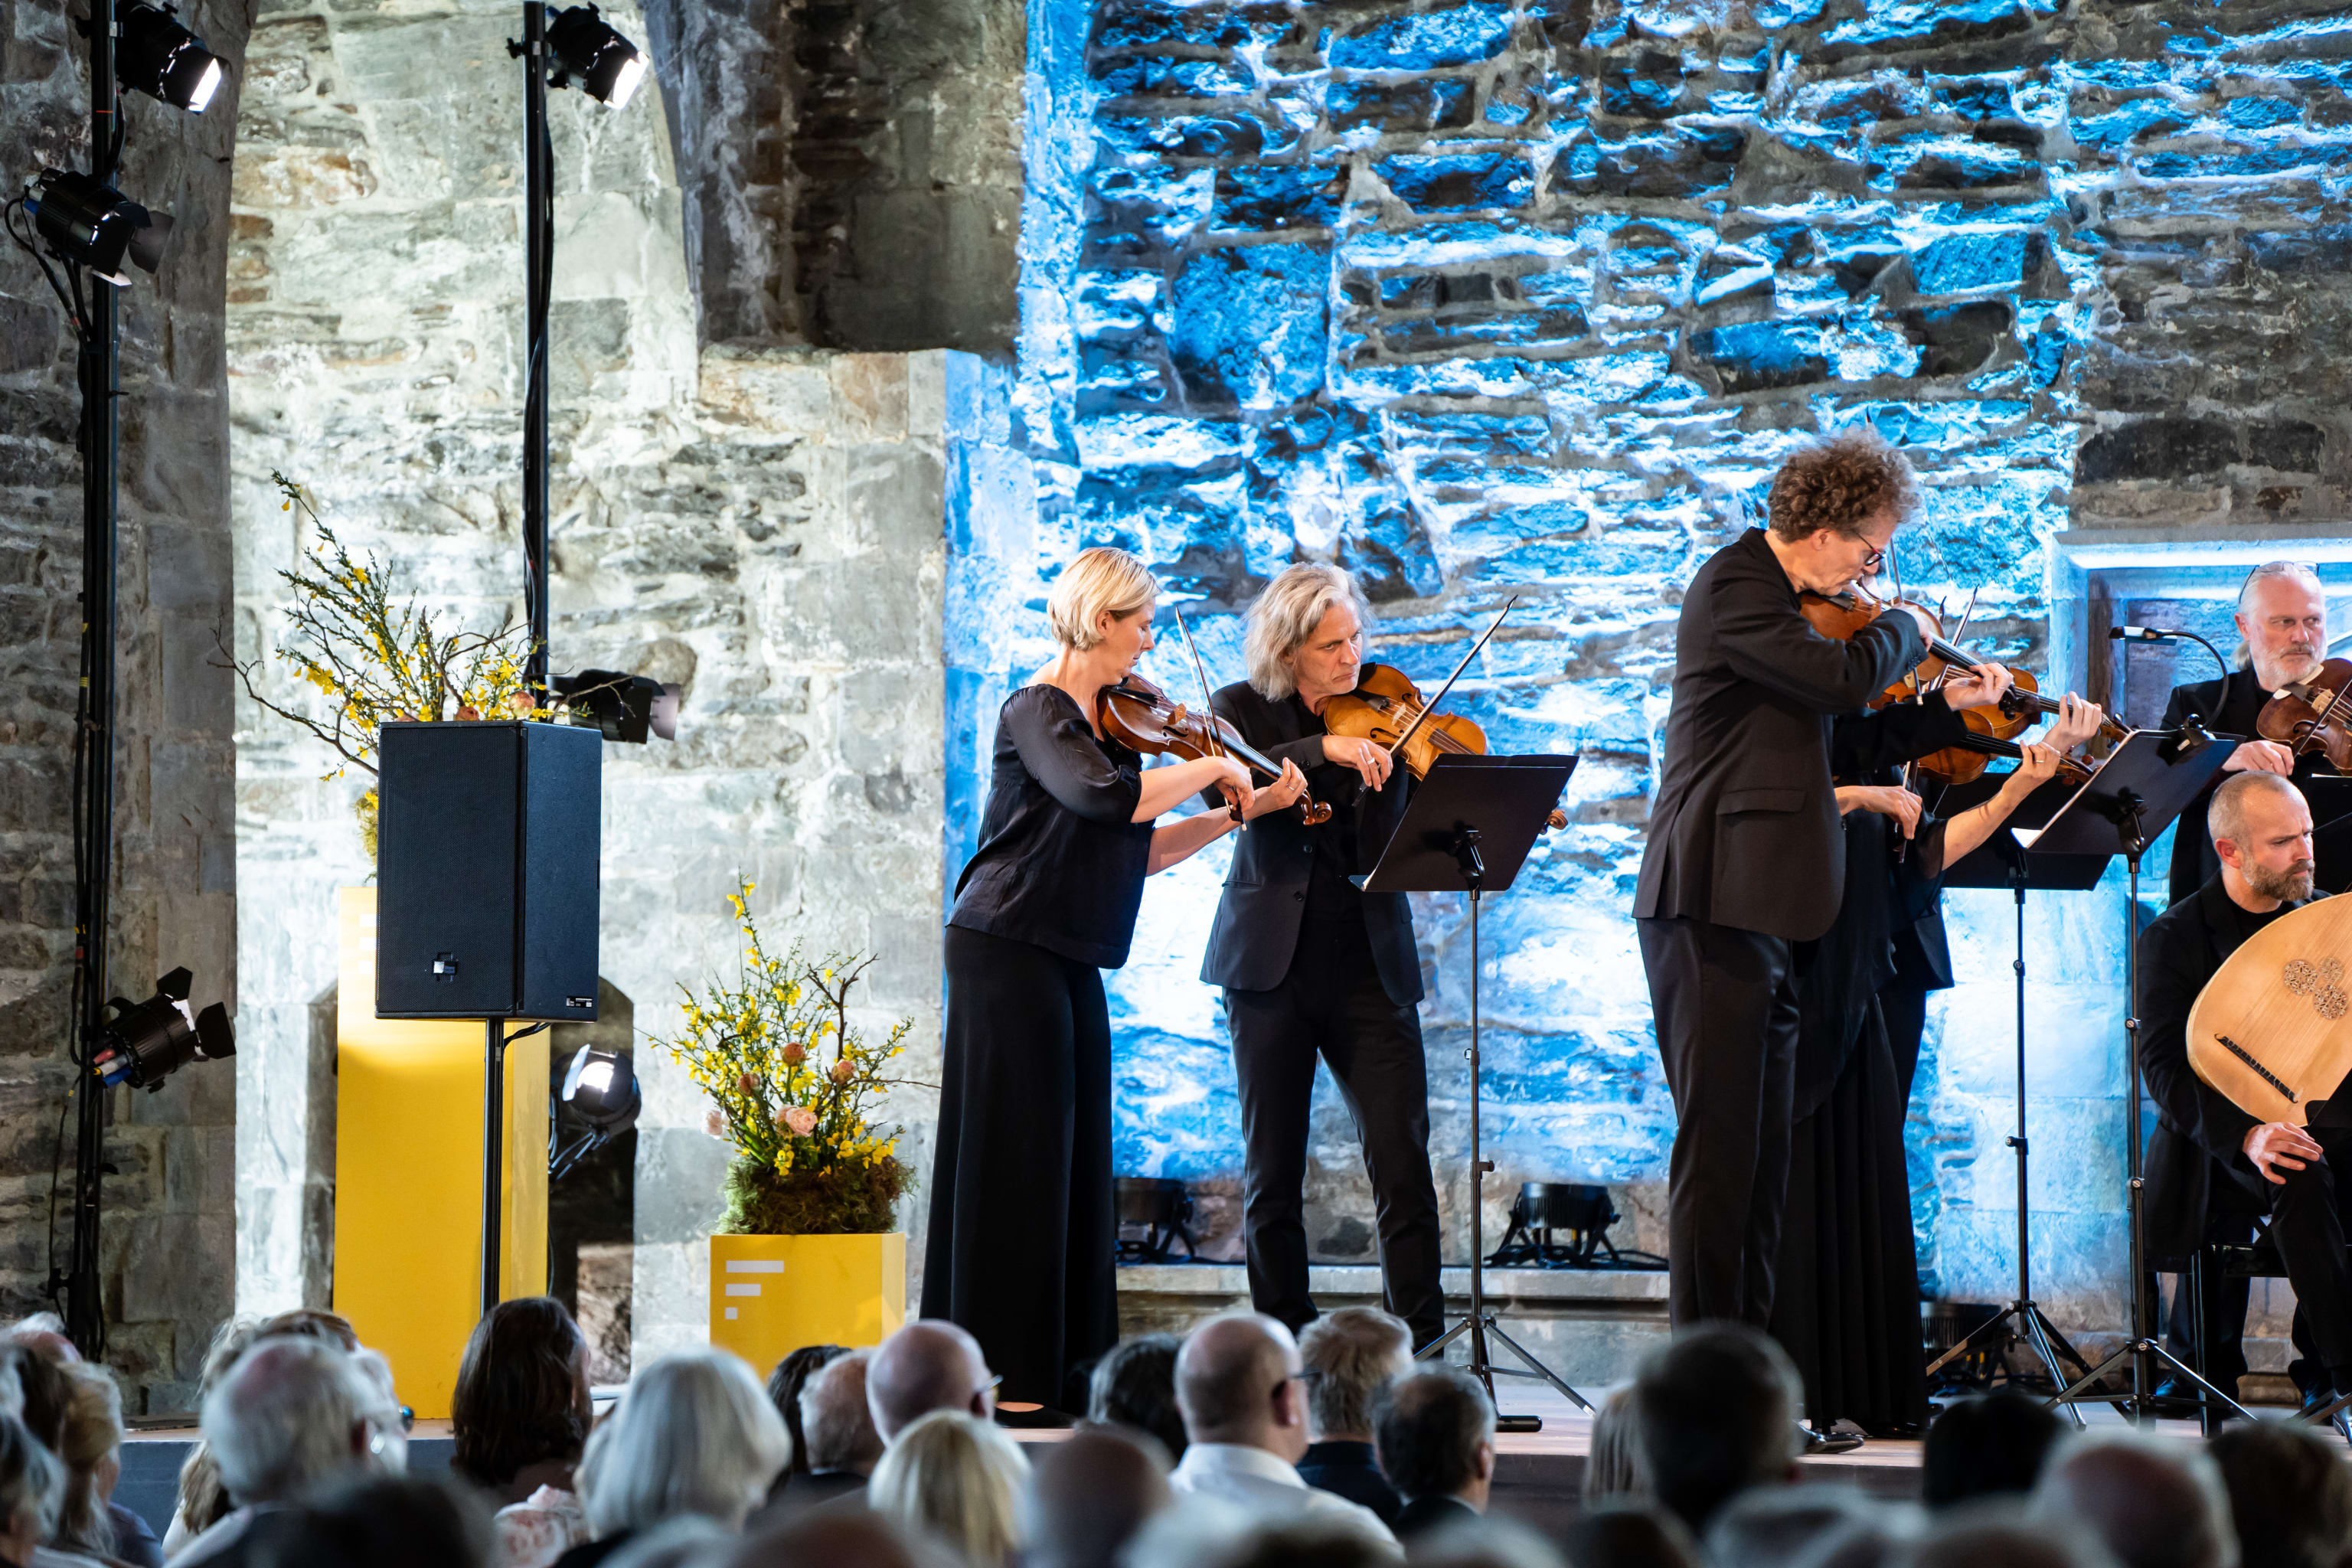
[{"x": 1746, "y": 857}]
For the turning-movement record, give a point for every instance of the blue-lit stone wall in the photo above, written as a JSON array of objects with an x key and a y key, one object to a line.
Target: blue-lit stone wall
[{"x": 1529, "y": 298}]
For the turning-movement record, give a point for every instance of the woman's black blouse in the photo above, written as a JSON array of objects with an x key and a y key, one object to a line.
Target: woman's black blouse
[{"x": 1061, "y": 861}]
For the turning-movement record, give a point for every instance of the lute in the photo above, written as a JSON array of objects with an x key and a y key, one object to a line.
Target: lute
[{"x": 2272, "y": 1031}]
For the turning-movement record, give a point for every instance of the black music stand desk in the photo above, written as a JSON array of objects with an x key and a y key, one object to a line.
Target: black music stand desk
[{"x": 1469, "y": 827}]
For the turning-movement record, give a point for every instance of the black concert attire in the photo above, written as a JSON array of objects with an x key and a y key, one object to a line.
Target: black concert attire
[
  {"x": 2197, "y": 1168},
  {"x": 1350, "y": 1470},
  {"x": 1023, "y": 1224},
  {"x": 1747, "y": 857},
  {"x": 1311, "y": 965},
  {"x": 1846, "y": 1299},
  {"x": 2227, "y": 707}
]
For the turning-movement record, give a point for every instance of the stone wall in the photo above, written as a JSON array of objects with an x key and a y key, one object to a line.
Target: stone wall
[
  {"x": 166, "y": 1238},
  {"x": 1516, "y": 297},
  {"x": 760, "y": 525},
  {"x": 853, "y": 167}
]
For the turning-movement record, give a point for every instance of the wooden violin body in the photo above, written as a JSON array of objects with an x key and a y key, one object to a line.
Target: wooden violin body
[
  {"x": 2313, "y": 715},
  {"x": 2272, "y": 1031},
  {"x": 1383, "y": 707},
  {"x": 1142, "y": 718}
]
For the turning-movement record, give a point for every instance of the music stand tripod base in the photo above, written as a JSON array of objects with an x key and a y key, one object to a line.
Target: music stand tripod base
[{"x": 1469, "y": 827}]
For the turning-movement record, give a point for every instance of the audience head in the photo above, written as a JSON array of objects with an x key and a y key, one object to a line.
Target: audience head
[
  {"x": 293, "y": 1413},
  {"x": 836, "y": 1425},
  {"x": 1349, "y": 1356},
  {"x": 2290, "y": 1494},
  {"x": 1613, "y": 1468},
  {"x": 1134, "y": 1386},
  {"x": 1237, "y": 1381},
  {"x": 930, "y": 1364},
  {"x": 694, "y": 1434},
  {"x": 784, "y": 1386},
  {"x": 385, "y": 1521},
  {"x": 31, "y": 1482},
  {"x": 1780, "y": 1527},
  {"x": 89, "y": 1442},
  {"x": 1089, "y": 1495},
  {"x": 522, "y": 1394},
  {"x": 837, "y": 1540},
  {"x": 1303, "y": 1541},
  {"x": 1625, "y": 1534},
  {"x": 1986, "y": 1447},
  {"x": 1435, "y": 1432},
  {"x": 204, "y": 1502},
  {"x": 44, "y": 1333},
  {"x": 956, "y": 1478},
  {"x": 1999, "y": 1532},
  {"x": 2154, "y": 1502},
  {"x": 1716, "y": 1412}
]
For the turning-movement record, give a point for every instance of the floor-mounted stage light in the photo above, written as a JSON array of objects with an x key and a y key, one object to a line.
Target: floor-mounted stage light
[
  {"x": 149, "y": 1041},
  {"x": 601, "y": 1089},
  {"x": 626, "y": 707},
  {"x": 91, "y": 224},
  {"x": 163, "y": 59},
  {"x": 587, "y": 46}
]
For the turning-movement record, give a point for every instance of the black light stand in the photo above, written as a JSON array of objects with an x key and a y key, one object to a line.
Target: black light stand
[
  {"x": 539, "y": 260},
  {"x": 100, "y": 362},
  {"x": 1440, "y": 847}
]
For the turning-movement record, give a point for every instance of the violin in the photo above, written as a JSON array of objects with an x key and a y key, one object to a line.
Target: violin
[
  {"x": 2313, "y": 715},
  {"x": 1142, "y": 718},
  {"x": 1385, "y": 705}
]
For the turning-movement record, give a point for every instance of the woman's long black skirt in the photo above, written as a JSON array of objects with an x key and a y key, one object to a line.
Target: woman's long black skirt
[
  {"x": 1846, "y": 1303},
  {"x": 1022, "y": 1226}
]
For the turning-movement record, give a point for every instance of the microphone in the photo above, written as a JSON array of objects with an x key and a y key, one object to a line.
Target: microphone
[{"x": 2143, "y": 634}]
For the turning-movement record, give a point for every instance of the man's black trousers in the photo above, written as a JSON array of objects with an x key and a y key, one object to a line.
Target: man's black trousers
[
  {"x": 1331, "y": 1003},
  {"x": 1726, "y": 1003}
]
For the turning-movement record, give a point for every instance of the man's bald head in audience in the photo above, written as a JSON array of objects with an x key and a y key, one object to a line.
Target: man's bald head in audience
[
  {"x": 1089, "y": 1496},
  {"x": 2155, "y": 1502},
  {"x": 1237, "y": 1381},
  {"x": 930, "y": 1364}
]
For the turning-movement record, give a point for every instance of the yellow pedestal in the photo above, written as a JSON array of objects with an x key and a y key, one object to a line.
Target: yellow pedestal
[
  {"x": 408, "y": 1174},
  {"x": 770, "y": 1295}
]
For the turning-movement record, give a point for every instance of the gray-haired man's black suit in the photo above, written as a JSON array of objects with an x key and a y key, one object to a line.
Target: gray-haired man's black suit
[
  {"x": 1310, "y": 965},
  {"x": 1745, "y": 857}
]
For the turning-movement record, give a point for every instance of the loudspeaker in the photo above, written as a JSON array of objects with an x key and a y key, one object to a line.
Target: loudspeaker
[{"x": 487, "y": 844}]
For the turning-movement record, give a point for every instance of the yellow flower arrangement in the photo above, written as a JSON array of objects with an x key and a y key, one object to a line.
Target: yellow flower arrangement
[
  {"x": 370, "y": 661},
  {"x": 793, "y": 1086}
]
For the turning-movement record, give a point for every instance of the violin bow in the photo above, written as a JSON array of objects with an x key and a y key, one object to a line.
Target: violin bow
[
  {"x": 1208, "y": 703},
  {"x": 1430, "y": 706}
]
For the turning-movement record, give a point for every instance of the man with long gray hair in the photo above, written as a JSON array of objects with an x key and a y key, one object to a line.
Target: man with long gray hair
[{"x": 1311, "y": 965}]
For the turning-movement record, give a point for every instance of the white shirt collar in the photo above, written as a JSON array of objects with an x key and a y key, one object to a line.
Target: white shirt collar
[{"x": 1239, "y": 1460}]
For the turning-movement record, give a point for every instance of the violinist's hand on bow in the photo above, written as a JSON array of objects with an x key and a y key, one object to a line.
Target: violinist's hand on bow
[
  {"x": 1283, "y": 792},
  {"x": 1369, "y": 760},
  {"x": 1233, "y": 779},
  {"x": 1886, "y": 800},
  {"x": 1979, "y": 686}
]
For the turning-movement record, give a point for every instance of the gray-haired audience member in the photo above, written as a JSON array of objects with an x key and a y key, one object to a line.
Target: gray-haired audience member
[
  {"x": 836, "y": 1541},
  {"x": 1781, "y": 1527},
  {"x": 1089, "y": 1495},
  {"x": 1716, "y": 1409},
  {"x": 2154, "y": 1502},
  {"x": 31, "y": 1481},
  {"x": 1350, "y": 1355},
  {"x": 1986, "y": 1447},
  {"x": 1134, "y": 1386},
  {"x": 790, "y": 1377},
  {"x": 1434, "y": 1430},
  {"x": 695, "y": 1434},
  {"x": 930, "y": 1364},
  {"x": 1613, "y": 1468},
  {"x": 1998, "y": 1532},
  {"x": 1237, "y": 1382},
  {"x": 291, "y": 1415},
  {"x": 376, "y": 1521},
  {"x": 2290, "y": 1494},
  {"x": 838, "y": 1429},
  {"x": 1624, "y": 1534}
]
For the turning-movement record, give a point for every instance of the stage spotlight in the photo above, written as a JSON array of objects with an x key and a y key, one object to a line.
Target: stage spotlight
[
  {"x": 601, "y": 1089},
  {"x": 92, "y": 224},
  {"x": 626, "y": 707},
  {"x": 163, "y": 59},
  {"x": 149, "y": 1041},
  {"x": 584, "y": 45}
]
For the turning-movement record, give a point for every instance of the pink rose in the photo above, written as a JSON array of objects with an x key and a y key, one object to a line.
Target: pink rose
[
  {"x": 747, "y": 1083},
  {"x": 714, "y": 1123},
  {"x": 843, "y": 1071},
  {"x": 795, "y": 1054},
  {"x": 798, "y": 1120}
]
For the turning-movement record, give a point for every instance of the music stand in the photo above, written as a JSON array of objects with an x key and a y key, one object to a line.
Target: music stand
[
  {"x": 1469, "y": 826},
  {"x": 2130, "y": 800},
  {"x": 2002, "y": 862}
]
